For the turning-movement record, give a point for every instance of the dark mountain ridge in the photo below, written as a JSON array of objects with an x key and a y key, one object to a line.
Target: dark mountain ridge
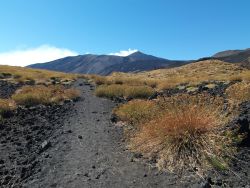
[
  {"x": 136, "y": 62},
  {"x": 241, "y": 57},
  {"x": 106, "y": 64}
]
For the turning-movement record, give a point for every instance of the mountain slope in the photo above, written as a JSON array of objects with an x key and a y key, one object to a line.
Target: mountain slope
[
  {"x": 136, "y": 62},
  {"x": 237, "y": 56},
  {"x": 106, "y": 64},
  {"x": 240, "y": 57}
]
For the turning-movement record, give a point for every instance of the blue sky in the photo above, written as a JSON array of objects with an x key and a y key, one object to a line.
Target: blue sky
[{"x": 174, "y": 29}]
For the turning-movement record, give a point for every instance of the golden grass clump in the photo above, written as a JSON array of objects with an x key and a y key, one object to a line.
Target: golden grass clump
[
  {"x": 137, "y": 111},
  {"x": 110, "y": 91},
  {"x": 186, "y": 136},
  {"x": 126, "y": 91},
  {"x": 6, "y": 105},
  {"x": 98, "y": 80},
  {"x": 246, "y": 76},
  {"x": 239, "y": 92},
  {"x": 39, "y": 94}
]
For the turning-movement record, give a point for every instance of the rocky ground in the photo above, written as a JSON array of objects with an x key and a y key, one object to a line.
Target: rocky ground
[
  {"x": 25, "y": 136},
  {"x": 76, "y": 145},
  {"x": 7, "y": 89},
  {"x": 214, "y": 88}
]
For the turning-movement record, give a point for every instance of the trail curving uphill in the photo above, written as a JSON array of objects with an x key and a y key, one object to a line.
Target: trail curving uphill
[{"x": 89, "y": 152}]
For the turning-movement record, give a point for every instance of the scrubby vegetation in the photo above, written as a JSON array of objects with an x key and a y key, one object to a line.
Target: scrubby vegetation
[
  {"x": 137, "y": 111},
  {"x": 193, "y": 74},
  {"x": 39, "y": 94},
  {"x": 239, "y": 92},
  {"x": 188, "y": 76},
  {"x": 115, "y": 78},
  {"x": 33, "y": 87},
  {"x": 116, "y": 90},
  {"x": 6, "y": 105},
  {"x": 27, "y": 75},
  {"x": 181, "y": 132}
]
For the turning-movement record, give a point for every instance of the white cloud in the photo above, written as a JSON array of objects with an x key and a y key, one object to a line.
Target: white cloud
[
  {"x": 29, "y": 56},
  {"x": 124, "y": 52}
]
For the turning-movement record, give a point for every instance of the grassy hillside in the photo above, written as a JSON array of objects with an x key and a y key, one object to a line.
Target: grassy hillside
[
  {"x": 192, "y": 74},
  {"x": 29, "y": 87},
  {"x": 20, "y": 74},
  {"x": 185, "y": 125},
  {"x": 188, "y": 75}
]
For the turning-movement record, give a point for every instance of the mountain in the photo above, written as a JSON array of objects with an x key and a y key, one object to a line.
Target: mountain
[
  {"x": 227, "y": 53},
  {"x": 135, "y": 62},
  {"x": 241, "y": 57},
  {"x": 106, "y": 64}
]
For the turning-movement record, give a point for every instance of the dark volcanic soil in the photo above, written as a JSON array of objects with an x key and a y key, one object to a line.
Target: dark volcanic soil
[
  {"x": 24, "y": 138},
  {"x": 7, "y": 89},
  {"x": 75, "y": 145},
  {"x": 90, "y": 152}
]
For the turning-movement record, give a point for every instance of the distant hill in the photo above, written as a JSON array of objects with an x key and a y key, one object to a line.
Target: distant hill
[
  {"x": 106, "y": 64},
  {"x": 136, "y": 62},
  {"x": 235, "y": 56},
  {"x": 241, "y": 57}
]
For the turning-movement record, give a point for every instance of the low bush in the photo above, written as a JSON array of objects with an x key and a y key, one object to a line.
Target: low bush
[
  {"x": 239, "y": 92},
  {"x": 39, "y": 94},
  {"x": 117, "y": 90},
  {"x": 186, "y": 136}
]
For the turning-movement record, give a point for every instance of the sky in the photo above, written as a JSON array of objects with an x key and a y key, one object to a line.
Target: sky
[{"x": 34, "y": 31}]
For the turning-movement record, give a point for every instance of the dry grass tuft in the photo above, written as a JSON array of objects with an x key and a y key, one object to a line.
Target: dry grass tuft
[
  {"x": 239, "y": 92},
  {"x": 186, "y": 136},
  {"x": 34, "y": 95},
  {"x": 6, "y": 105},
  {"x": 110, "y": 91},
  {"x": 126, "y": 91},
  {"x": 98, "y": 80},
  {"x": 137, "y": 111}
]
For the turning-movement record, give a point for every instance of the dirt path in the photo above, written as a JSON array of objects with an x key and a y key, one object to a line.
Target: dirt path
[{"x": 89, "y": 152}]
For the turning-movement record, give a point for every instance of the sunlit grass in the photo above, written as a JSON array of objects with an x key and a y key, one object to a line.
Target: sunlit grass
[
  {"x": 193, "y": 74},
  {"x": 23, "y": 75},
  {"x": 137, "y": 111},
  {"x": 34, "y": 95},
  {"x": 126, "y": 91},
  {"x": 182, "y": 132},
  {"x": 239, "y": 92},
  {"x": 6, "y": 105}
]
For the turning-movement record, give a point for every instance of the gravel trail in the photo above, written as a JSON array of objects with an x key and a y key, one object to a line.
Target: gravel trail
[{"x": 90, "y": 152}]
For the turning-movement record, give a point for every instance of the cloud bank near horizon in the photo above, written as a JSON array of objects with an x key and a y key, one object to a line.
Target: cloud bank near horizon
[
  {"x": 40, "y": 54},
  {"x": 124, "y": 52}
]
